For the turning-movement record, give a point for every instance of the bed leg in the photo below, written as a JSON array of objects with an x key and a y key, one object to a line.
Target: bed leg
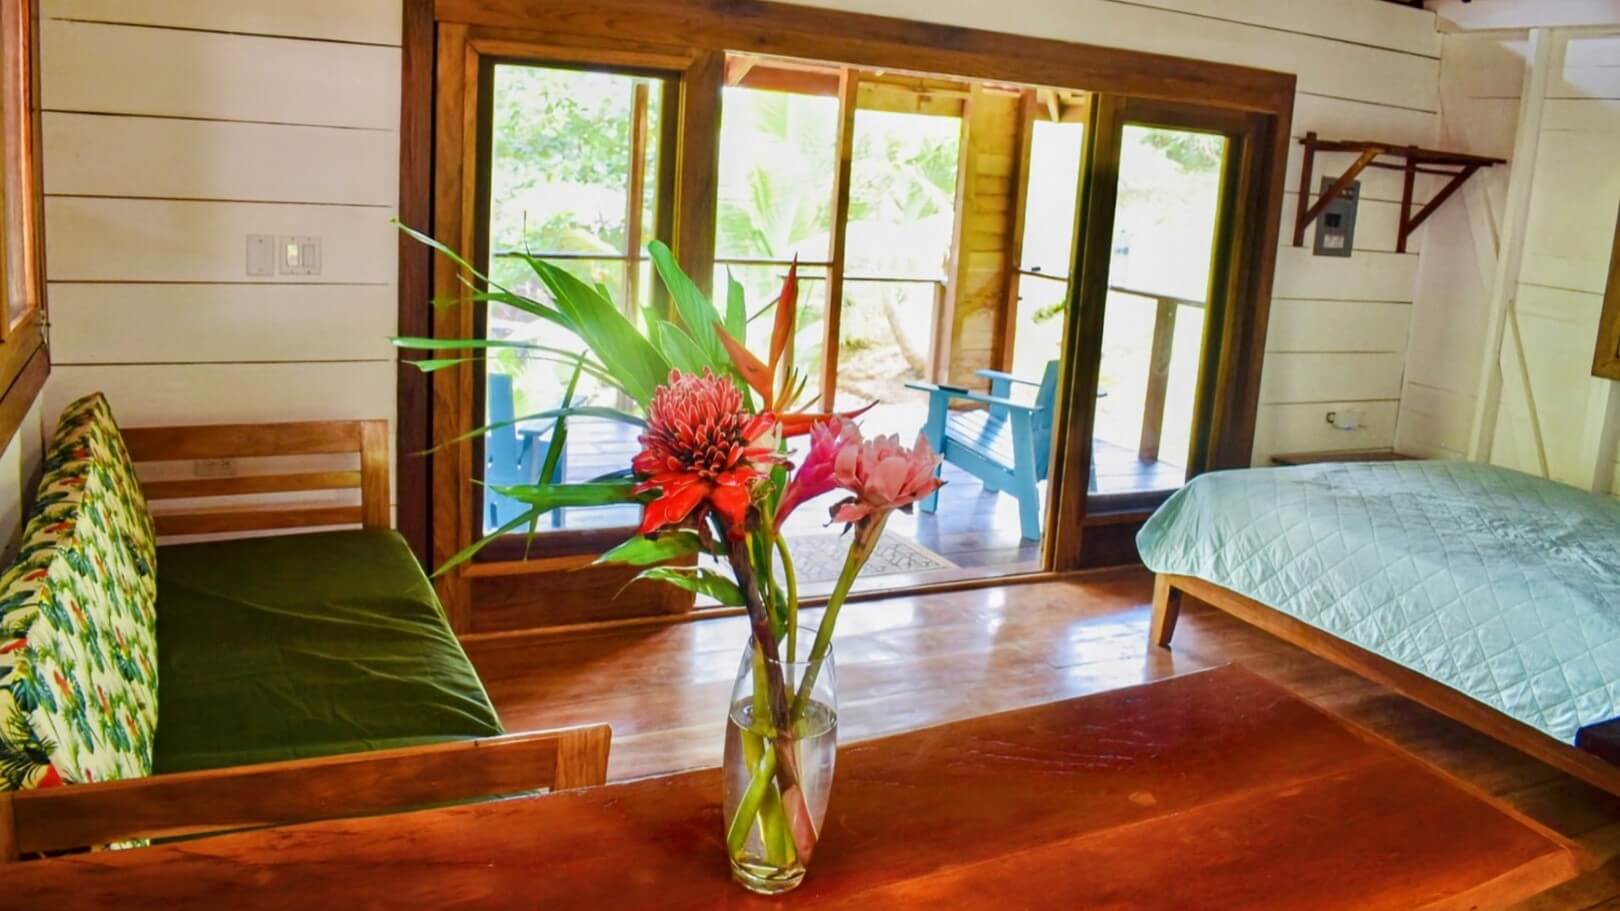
[{"x": 1166, "y": 609}]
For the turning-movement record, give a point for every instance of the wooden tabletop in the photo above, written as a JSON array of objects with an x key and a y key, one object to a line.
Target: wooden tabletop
[{"x": 1212, "y": 790}]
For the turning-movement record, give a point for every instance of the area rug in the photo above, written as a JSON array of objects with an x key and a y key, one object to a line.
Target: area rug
[{"x": 820, "y": 557}]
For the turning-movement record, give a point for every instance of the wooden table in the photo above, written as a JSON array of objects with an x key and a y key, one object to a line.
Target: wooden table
[{"x": 1212, "y": 790}]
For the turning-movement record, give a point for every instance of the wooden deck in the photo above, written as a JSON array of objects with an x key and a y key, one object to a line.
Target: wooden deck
[{"x": 914, "y": 661}]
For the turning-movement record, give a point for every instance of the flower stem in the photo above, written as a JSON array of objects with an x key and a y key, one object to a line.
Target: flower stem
[
  {"x": 866, "y": 538},
  {"x": 791, "y": 578}
]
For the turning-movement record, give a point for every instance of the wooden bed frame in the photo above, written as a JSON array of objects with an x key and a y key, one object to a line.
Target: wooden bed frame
[{"x": 1584, "y": 763}]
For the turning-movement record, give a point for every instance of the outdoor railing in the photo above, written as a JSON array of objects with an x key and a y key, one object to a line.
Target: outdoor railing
[{"x": 1159, "y": 356}]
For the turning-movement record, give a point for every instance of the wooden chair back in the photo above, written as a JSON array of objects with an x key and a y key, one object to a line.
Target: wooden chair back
[
  {"x": 366, "y": 440},
  {"x": 1041, "y": 421},
  {"x": 304, "y": 790}
]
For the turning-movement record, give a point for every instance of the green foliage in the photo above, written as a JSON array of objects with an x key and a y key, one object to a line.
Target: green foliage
[
  {"x": 702, "y": 581},
  {"x": 1195, "y": 152},
  {"x": 644, "y": 551}
]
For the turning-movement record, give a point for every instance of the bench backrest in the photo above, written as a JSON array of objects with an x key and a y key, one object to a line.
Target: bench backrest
[
  {"x": 367, "y": 440},
  {"x": 78, "y": 621}
]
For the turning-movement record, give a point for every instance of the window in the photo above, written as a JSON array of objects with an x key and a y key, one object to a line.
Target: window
[
  {"x": 23, "y": 361},
  {"x": 573, "y": 178}
]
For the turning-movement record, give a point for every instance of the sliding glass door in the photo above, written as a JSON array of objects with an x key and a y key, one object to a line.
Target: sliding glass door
[{"x": 1156, "y": 287}]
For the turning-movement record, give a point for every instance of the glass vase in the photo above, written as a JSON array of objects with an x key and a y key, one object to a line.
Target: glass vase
[{"x": 781, "y": 745}]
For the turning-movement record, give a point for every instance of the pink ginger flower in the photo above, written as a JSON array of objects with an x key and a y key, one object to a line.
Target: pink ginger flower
[
  {"x": 881, "y": 476},
  {"x": 815, "y": 475},
  {"x": 702, "y": 452}
]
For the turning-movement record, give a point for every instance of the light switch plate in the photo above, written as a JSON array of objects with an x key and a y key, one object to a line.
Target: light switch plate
[
  {"x": 298, "y": 254},
  {"x": 261, "y": 254}
]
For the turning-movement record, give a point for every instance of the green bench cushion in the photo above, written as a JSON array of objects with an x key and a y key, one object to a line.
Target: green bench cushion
[{"x": 305, "y": 645}]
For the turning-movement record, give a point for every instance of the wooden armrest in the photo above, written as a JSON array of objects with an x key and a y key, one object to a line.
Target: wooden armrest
[
  {"x": 301, "y": 790},
  {"x": 1000, "y": 375},
  {"x": 979, "y": 397},
  {"x": 366, "y": 439}
]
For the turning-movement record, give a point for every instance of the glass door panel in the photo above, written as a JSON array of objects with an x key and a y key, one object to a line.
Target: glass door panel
[
  {"x": 573, "y": 179},
  {"x": 1166, "y": 221},
  {"x": 902, "y": 218}
]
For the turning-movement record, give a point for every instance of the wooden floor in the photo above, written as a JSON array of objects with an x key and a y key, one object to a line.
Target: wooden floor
[{"x": 915, "y": 661}]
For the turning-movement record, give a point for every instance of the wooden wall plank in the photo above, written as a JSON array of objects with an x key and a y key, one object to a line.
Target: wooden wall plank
[
  {"x": 108, "y": 155},
  {"x": 1395, "y": 27},
  {"x": 1324, "y": 65},
  {"x": 145, "y": 323},
  {"x": 163, "y": 394},
  {"x": 1339, "y": 118},
  {"x": 1304, "y": 428},
  {"x": 364, "y": 21},
  {"x": 1435, "y": 422},
  {"x": 92, "y": 239},
  {"x": 166, "y": 72},
  {"x": 1364, "y": 276},
  {"x": 1331, "y": 377},
  {"x": 1302, "y": 326}
]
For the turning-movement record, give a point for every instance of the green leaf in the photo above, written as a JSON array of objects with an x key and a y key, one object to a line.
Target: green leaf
[
  {"x": 644, "y": 551},
  {"x": 696, "y": 313},
  {"x": 471, "y": 550},
  {"x": 702, "y": 581},
  {"x": 684, "y": 353},
  {"x": 736, "y": 308},
  {"x": 583, "y": 411},
  {"x": 640, "y": 367},
  {"x": 547, "y": 497},
  {"x": 429, "y": 365}
]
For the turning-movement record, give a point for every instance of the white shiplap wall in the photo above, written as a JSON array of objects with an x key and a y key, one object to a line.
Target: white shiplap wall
[
  {"x": 176, "y": 127},
  {"x": 172, "y": 130},
  {"x": 1367, "y": 70},
  {"x": 1553, "y": 418}
]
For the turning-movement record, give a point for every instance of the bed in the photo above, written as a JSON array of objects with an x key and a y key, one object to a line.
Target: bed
[{"x": 1487, "y": 594}]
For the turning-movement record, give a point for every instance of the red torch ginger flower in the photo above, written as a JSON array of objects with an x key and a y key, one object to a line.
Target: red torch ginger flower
[
  {"x": 702, "y": 452},
  {"x": 816, "y": 474},
  {"x": 881, "y": 476}
]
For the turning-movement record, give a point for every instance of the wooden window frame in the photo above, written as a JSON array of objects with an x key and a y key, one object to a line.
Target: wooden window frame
[
  {"x": 24, "y": 356},
  {"x": 436, "y": 510}
]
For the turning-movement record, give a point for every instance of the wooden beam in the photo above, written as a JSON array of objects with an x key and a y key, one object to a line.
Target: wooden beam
[
  {"x": 1006, "y": 328},
  {"x": 1515, "y": 221},
  {"x": 889, "y": 43},
  {"x": 848, "y": 95},
  {"x": 698, "y": 167},
  {"x": 1412, "y": 224}
]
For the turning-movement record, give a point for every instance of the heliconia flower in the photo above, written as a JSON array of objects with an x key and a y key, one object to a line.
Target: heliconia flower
[
  {"x": 701, "y": 451},
  {"x": 815, "y": 477},
  {"x": 882, "y": 475}
]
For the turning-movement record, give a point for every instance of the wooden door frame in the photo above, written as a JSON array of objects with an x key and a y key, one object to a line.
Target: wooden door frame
[
  {"x": 1228, "y": 394},
  {"x": 435, "y": 162}
]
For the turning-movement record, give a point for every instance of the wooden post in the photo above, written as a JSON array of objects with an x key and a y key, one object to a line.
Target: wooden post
[
  {"x": 1409, "y": 177},
  {"x": 634, "y": 204},
  {"x": 1158, "y": 379},
  {"x": 1515, "y": 218},
  {"x": 1001, "y": 351},
  {"x": 849, "y": 84}
]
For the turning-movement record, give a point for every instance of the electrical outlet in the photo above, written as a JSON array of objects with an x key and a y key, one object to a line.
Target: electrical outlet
[
  {"x": 214, "y": 468},
  {"x": 261, "y": 254},
  {"x": 298, "y": 254}
]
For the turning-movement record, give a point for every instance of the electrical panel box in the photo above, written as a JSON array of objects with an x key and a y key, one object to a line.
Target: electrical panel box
[{"x": 1336, "y": 226}]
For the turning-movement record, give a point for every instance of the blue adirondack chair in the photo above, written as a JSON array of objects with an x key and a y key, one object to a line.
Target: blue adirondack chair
[
  {"x": 510, "y": 458},
  {"x": 1006, "y": 445}
]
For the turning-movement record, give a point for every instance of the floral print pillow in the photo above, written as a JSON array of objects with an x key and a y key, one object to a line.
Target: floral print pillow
[{"x": 78, "y": 621}]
